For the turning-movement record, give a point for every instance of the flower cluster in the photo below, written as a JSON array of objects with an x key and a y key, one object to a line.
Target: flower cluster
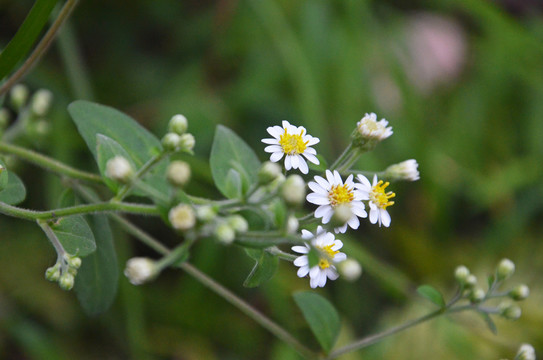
[{"x": 341, "y": 202}]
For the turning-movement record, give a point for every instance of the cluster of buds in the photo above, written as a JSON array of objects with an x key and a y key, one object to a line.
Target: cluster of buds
[
  {"x": 64, "y": 271},
  {"x": 177, "y": 138}
]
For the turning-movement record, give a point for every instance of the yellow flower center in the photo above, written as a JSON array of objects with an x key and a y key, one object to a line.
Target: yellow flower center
[
  {"x": 340, "y": 194},
  {"x": 379, "y": 197},
  {"x": 324, "y": 262},
  {"x": 370, "y": 125},
  {"x": 292, "y": 144}
]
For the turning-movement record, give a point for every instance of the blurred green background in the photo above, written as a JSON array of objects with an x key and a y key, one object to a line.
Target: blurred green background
[{"x": 461, "y": 82}]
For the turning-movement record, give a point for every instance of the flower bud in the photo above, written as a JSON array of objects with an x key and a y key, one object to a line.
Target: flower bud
[
  {"x": 53, "y": 273},
  {"x": 205, "y": 213},
  {"x": 292, "y": 225},
  {"x": 342, "y": 214},
  {"x": 4, "y": 118},
  {"x": 406, "y": 170},
  {"x": 182, "y": 217},
  {"x": 471, "y": 281},
  {"x": 505, "y": 269},
  {"x": 224, "y": 233},
  {"x": 268, "y": 172},
  {"x": 238, "y": 223},
  {"x": 461, "y": 274},
  {"x": 525, "y": 352},
  {"x": 178, "y": 124},
  {"x": 178, "y": 173},
  {"x": 368, "y": 129},
  {"x": 18, "y": 96},
  {"x": 510, "y": 312},
  {"x": 187, "y": 142},
  {"x": 139, "y": 270},
  {"x": 119, "y": 169},
  {"x": 66, "y": 281},
  {"x": 293, "y": 190},
  {"x": 75, "y": 262},
  {"x": 41, "y": 102},
  {"x": 477, "y": 295},
  {"x": 350, "y": 269},
  {"x": 519, "y": 292},
  {"x": 171, "y": 141}
]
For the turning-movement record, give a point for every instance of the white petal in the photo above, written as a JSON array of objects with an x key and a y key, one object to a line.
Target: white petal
[
  {"x": 270, "y": 141},
  {"x": 311, "y": 158},
  {"x": 300, "y": 249},
  {"x": 364, "y": 181},
  {"x": 323, "y": 210},
  {"x": 304, "y": 169},
  {"x": 275, "y": 131},
  {"x": 317, "y": 199},
  {"x": 375, "y": 180},
  {"x": 322, "y": 279},
  {"x": 374, "y": 215},
  {"x": 341, "y": 229},
  {"x": 353, "y": 222},
  {"x": 340, "y": 257},
  {"x": 337, "y": 178},
  {"x": 385, "y": 217},
  {"x": 303, "y": 271},
  {"x": 314, "y": 271},
  {"x": 285, "y": 124},
  {"x": 330, "y": 177},
  {"x": 310, "y": 151},
  {"x": 332, "y": 273},
  {"x": 313, "y": 141},
  {"x": 288, "y": 162},
  {"x": 317, "y": 188},
  {"x": 322, "y": 182},
  {"x": 301, "y": 261},
  {"x": 273, "y": 148},
  {"x": 306, "y": 234},
  {"x": 275, "y": 157},
  {"x": 338, "y": 244},
  {"x": 295, "y": 161}
]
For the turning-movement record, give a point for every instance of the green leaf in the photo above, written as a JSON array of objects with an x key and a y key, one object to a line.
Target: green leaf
[
  {"x": 26, "y": 36},
  {"x": 229, "y": 152},
  {"x": 233, "y": 185},
  {"x": 106, "y": 149},
  {"x": 139, "y": 144},
  {"x": 490, "y": 281},
  {"x": 490, "y": 323},
  {"x": 75, "y": 235},
  {"x": 3, "y": 176},
  {"x": 321, "y": 316},
  {"x": 97, "y": 279},
  {"x": 14, "y": 192},
  {"x": 430, "y": 293},
  {"x": 264, "y": 269}
]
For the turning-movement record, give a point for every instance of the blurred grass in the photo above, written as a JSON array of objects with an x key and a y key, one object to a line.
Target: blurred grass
[{"x": 249, "y": 64}]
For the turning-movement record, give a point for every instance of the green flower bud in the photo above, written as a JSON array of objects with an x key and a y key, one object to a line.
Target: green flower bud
[
  {"x": 41, "y": 102},
  {"x": 505, "y": 269},
  {"x": 140, "y": 270},
  {"x": 182, "y": 217},
  {"x": 53, "y": 273},
  {"x": 224, "y": 233},
  {"x": 66, "y": 281},
  {"x": 471, "y": 281},
  {"x": 477, "y": 295},
  {"x": 75, "y": 262},
  {"x": 18, "y": 96},
  {"x": 268, "y": 172},
  {"x": 178, "y": 173},
  {"x": 171, "y": 141},
  {"x": 525, "y": 352},
  {"x": 461, "y": 274},
  {"x": 519, "y": 292},
  {"x": 406, "y": 170},
  {"x": 342, "y": 214},
  {"x": 178, "y": 124},
  {"x": 293, "y": 190},
  {"x": 238, "y": 223},
  {"x": 206, "y": 213},
  {"x": 292, "y": 225},
  {"x": 187, "y": 142},
  {"x": 510, "y": 312},
  {"x": 119, "y": 169},
  {"x": 350, "y": 269}
]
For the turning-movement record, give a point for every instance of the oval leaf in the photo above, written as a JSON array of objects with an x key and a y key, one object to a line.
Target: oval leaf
[
  {"x": 264, "y": 269},
  {"x": 321, "y": 316},
  {"x": 75, "y": 235},
  {"x": 97, "y": 279},
  {"x": 3, "y": 176},
  {"x": 14, "y": 192},
  {"x": 229, "y": 152},
  {"x": 430, "y": 293}
]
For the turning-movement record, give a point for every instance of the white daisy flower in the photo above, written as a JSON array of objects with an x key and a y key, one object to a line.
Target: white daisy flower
[
  {"x": 378, "y": 199},
  {"x": 293, "y": 142},
  {"x": 327, "y": 248},
  {"x": 331, "y": 192},
  {"x": 370, "y": 128}
]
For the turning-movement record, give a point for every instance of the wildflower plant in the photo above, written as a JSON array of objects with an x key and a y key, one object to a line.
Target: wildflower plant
[{"x": 136, "y": 176}]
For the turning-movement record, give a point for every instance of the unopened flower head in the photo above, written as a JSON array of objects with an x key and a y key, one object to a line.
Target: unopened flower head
[
  {"x": 293, "y": 143},
  {"x": 510, "y": 311},
  {"x": 178, "y": 173},
  {"x": 519, "y": 292},
  {"x": 293, "y": 190},
  {"x": 171, "y": 141},
  {"x": 505, "y": 269},
  {"x": 225, "y": 233},
  {"x": 525, "y": 352},
  {"x": 292, "y": 224},
  {"x": 41, "y": 102},
  {"x": 371, "y": 129},
  {"x": 268, "y": 172},
  {"x": 406, "y": 170},
  {"x": 66, "y": 281},
  {"x": 182, "y": 217},
  {"x": 53, "y": 273},
  {"x": 206, "y": 213},
  {"x": 477, "y": 295},
  {"x": 350, "y": 269},
  {"x": 187, "y": 142},
  {"x": 119, "y": 169},
  {"x": 378, "y": 198},
  {"x": 178, "y": 124},
  {"x": 139, "y": 270},
  {"x": 238, "y": 223},
  {"x": 18, "y": 96},
  {"x": 332, "y": 192},
  {"x": 461, "y": 274},
  {"x": 327, "y": 248}
]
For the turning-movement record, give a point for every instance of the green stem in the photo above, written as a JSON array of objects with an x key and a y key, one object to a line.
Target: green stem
[
  {"x": 52, "y": 238},
  {"x": 344, "y": 155},
  {"x": 177, "y": 254},
  {"x": 41, "y": 48},
  {"x": 26, "y": 214},
  {"x": 274, "y": 250},
  {"x": 146, "y": 167},
  {"x": 48, "y": 163}
]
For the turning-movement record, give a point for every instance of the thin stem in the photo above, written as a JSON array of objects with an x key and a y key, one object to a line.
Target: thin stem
[
  {"x": 41, "y": 48},
  {"x": 26, "y": 214},
  {"x": 346, "y": 153},
  {"x": 52, "y": 238},
  {"x": 146, "y": 167},
  {"x": 249, "y": 310},
  {"x": 48, "y": 163},
  {"x": 274, "y": 250}
]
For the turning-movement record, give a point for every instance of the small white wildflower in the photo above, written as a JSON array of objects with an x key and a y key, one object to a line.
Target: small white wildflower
[
  {"x": 139, "y": 270},
  {"x": 292, "y": 142},
  {"x": 178, "y": 173},
  {"x": 525, "y": 352},
  {"x": 371, "y": 129},
  {"x": 41, "y": 102},
  {"x": 328, "y": 249},
  {"x": 182, "y": 217},
  {"x": 293, "y": 190},
  {"x": 178, "y": 124},
  {"x": 379, "y": 200},
  {"x": 350, "y": 269},
  {"x": 331, "y": 192},
  {"x": 119, "y": 169},
  {"x": 406, "y": 170}
]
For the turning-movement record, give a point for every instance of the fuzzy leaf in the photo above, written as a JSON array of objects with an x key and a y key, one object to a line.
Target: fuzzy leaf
[
  {"x": 229, "y": 152},
  {"x": 490, "y": 323},
  {"x": 75, "y": 235},
  {"x": 3, "y": 176},
  {"x": 14, "y": 191},
  {"x": 264, "y": 269},
  {"x": 430, "y": 293},
  {"x": 233, "y": 185},
  {"x": 97, "y": 279},
  {"x": 321, "y": 316}
]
